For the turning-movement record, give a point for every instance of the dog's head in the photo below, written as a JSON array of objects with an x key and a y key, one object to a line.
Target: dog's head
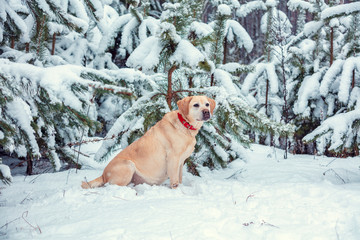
[{"x": 197, "y": 108}]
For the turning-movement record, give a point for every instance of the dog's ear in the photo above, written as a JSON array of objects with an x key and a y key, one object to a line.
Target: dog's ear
[
  {"x": 183, "y": 105},
  {"x": 212, "y": 104}
]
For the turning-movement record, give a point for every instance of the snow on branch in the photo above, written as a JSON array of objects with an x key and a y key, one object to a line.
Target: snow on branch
[
  {"x": 300, "y": 4},
  {"x": 351, "y": 64},
  {"x": 330, "y": 76},
  {"x": 242, "y": 37},
  {"x": 339, "y": 10},
  {"x": 312, "y": 27},
  {"x": 109, "y": 37},
  {"x": 309, "y": 90},
  {"x": 246, "y": 9},
  {"x": 146, "y": 55},
  {"x": 43, "y": 109},
  {"x": 18, "y": 21},
  {"x": 345, "y": 68},
  {"x": 341, "y": 126},
  {"x": 186, "y": 53},
  {"x": 260, "y": 69}
]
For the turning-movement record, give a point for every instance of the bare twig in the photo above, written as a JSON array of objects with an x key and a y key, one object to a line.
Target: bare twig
[
  {"x": 25, "y": 214},
  {"x": 120, "y": 198},
  {"x": 45, "y": 171},
  {"x": 94, "y": 140},
  {"x": 110, "y": 90},
  {"x": 336, "y": 174},
  {"x": 81, "y": 153},
  {"x": 25, "y": 199},
  {"x": 250, "y": 196},
  {"x": 329, "y": 163},
  {"x": 89, "y": 193},
  {"x": 6, "y": 224},
  {"x": 268, "y": 224},
  {"x": 18, "y": 164}
]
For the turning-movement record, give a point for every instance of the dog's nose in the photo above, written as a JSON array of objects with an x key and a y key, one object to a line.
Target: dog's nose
[{"x": 206, "y": 114}]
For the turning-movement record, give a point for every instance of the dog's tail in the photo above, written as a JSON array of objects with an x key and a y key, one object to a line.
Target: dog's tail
[{"x": 97, "y": 182}]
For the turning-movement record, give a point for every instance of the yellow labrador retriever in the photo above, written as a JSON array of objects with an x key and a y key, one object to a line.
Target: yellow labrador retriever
[{"x": 161, "y": 152}]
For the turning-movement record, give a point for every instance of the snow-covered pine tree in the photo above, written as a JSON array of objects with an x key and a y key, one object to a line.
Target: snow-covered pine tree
[
  {"x": 181, "y": 64},
  {"x": 267, "y": 87},
  {"x": 301, "y": 7},
  {"x": 125, "y": 32},
  {"x": 159, "y": 56},
  {"x": 58, "y": 32},
  {"x": 44, "y": 110},
  {"x": 338, "y": 80},
  {"x": 13, "y": 23}
]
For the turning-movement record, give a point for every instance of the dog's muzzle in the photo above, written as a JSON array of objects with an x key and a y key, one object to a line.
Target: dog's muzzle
[{"x": 206, "y": 115}]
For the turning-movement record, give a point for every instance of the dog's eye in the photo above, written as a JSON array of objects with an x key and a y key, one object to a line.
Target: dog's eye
[
  {"x": 207, "y": 104},
  {"x": 196, "y": 105}
]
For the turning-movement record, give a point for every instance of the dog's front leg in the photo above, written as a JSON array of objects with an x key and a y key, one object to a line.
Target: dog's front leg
[
  {"x": 181, "y": 172},
  {"x": 173, "y": 171}
]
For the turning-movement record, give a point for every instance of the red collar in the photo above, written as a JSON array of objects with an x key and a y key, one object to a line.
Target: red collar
[{"x": 185, "y": 123}]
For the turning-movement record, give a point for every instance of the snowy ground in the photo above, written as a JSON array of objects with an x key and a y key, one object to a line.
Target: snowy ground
[{"x": 266, "y": 198}]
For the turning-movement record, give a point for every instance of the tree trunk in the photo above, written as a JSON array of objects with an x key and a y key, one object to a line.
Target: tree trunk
[
  {"x": 353, "y": 79},
  {"x": 331, "y": 46},
  {"x": 191, "y": 82},
  {"x": 212, "y": 83},
  {"x": 12, "y": 44},
  {"x": 53, "y": 44},
  {"x": 267, "y": 97},
  {"x": 29, "y": 167},
  {"x": 169, "y": 94},
  {"x": 225, "y": 47},
  {"x": 27, "y": 47}
]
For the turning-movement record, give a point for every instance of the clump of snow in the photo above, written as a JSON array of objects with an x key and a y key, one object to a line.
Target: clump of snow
[
  {"x": 5, "y": 10},
  {"x": 340, "y": 9},
  {"x": 249, "y": 7},
  {"x": 109, "y": 36},
  {"x": 340, "y": 125},
  {"x": 308, "y": 90},
  {"x": 279, "y": 18},
  {"x": 200, "y": 29},
  {"x": 307, "y": 46},
  {"x": 149, "y": 24},
  {"x": 146, "y": 55},
  {"x": 330, "y": 76},
  {"x": 351, "y": 64},
  {"x": 334, "y": 22},
  {"x": 6, "y": 174},
  {"x": 169, "y": 29},
  {"x": 224, "y": 79},
  {"x": 16, "y": 110},
  {"x": 170, "y": 10},
  {"x": 271, "y": 3},
  {"x": 242, "y": 37},
  {"x": 260, "y": 68},
  {"x": 224, "y": 10},
  {"x": 186, "y": 53},
  {"x": 300, "y": 4},
  {"x": 312, "y": 27}
]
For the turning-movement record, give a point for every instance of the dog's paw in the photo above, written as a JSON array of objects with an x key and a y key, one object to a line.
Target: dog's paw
[
  {"x": 174, "y": 185},
  {"x": 85, "y": 185}
]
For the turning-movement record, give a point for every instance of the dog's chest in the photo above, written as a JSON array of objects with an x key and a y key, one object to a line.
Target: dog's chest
[{"x": 188, "y": 149}]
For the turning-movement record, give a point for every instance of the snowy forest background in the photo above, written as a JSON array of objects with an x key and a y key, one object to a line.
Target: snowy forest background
[{"x": 283, "y": 73}]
